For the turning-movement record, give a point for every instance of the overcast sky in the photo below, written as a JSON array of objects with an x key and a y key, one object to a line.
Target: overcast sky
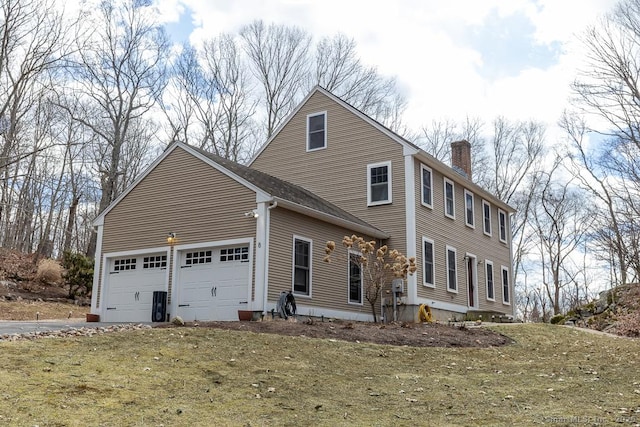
[{"x": 451, "y": 58}]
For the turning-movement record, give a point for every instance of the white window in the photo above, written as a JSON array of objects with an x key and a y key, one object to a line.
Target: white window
[
  {"x": 301, "y": 266},
  {"x": 505, "y": 285},
  {"x": 452, "y": 275},
  {"x": 428, "y": 263},
  {"x": 449, "y": 199},
  {"x": 486, "y": 215},
  {"x": 379, "y": 183},
  {"x": 468, "y": 208},
  {"x": 355, "y": 278},
  {"x": 489, "y": 280},
  {"x": 124, "y": 264},
  {"x": 502, "y": 222},
  {"x": 427, "y": 186},
  {"x": 154, "y": 262},
  {"x": 316, "y": 131}
]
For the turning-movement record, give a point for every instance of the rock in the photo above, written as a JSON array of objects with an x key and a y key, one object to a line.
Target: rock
[{"x": 178, "y": 321}]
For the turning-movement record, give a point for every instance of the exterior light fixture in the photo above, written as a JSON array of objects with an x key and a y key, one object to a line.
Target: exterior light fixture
[
  {"x": 251, "y": 214},
  {"x": 171, "y": 238}
]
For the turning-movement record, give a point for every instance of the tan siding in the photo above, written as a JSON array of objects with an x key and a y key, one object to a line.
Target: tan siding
[
  {"x": 329, "y": 287},
  {"x": 339, "y": 172},
  {"x": 208, "y": 206},
  {"x": 434, "y": 225}
]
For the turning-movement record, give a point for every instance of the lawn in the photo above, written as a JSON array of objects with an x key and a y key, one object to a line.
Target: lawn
[{"x": 552, "y": 375}]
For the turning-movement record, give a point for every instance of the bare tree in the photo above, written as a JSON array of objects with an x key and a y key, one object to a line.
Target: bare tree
[
  {"x": 278, "y": 57},
  {"x": 561, "y": 223},
  {"x": 118, "y": 75},
  {"x": 339, "y": 70}
]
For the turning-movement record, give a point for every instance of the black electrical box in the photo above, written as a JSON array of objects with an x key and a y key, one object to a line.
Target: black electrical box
[{"x": 159, "y": 308}]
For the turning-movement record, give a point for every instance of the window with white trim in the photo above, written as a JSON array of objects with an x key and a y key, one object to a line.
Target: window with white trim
[
  {"x": 198, "y": 257},
  {"x": 317, "y": 131},
  {"x": 505, "y": 285},
  {"x": 489, "y": 280},
  {"x": 428, "y": 271},
  {"x": 301, "y": 266},
  {"x": 154, "y": 262},
  {"x": 449, "y": 199},
  {"x": 355, "y": 278},
  {"x": 426, "y": 175},
  {"x": 379, "y": 183},
  {"x": 468, "y": 208},
  {"x": 235, "y": 254},
  {"x": 124, "y": 264},
  {"x": 486, "y": 216},
  {"x": 502, "y": 222},
  {"x": 452, "y": 274}
]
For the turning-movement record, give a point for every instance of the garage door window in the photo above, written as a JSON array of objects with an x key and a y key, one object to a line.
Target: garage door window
[
  {"x": 159, "y": 261},
  {"x": 124, "y": 264},
  {"x": 235, "y": 254},
  {"x": 199, "y": 257}
]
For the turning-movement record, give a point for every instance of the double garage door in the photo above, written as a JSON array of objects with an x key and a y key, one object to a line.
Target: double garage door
[{"x": 211, "y": 284}]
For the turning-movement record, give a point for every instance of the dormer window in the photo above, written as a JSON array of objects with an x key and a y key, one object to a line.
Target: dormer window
[{"x": 317, "y": 131}]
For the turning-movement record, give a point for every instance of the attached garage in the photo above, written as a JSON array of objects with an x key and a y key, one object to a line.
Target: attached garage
[
  {"x": 213, "y": 283},
  {"x": 129, "y": 286}
]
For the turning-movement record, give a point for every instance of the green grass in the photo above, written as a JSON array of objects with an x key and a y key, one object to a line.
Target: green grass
[{"x": 205, "y": 377}]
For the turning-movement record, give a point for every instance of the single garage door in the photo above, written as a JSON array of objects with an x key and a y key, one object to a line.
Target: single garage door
[
  {"x": 213, "y": 283},
  {"x": 130, "y": 285}
]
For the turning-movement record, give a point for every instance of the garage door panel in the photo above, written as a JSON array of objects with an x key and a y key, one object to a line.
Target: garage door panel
[
  {"x": 213, "y": 283},
  {"x": 129, "y": 289}
]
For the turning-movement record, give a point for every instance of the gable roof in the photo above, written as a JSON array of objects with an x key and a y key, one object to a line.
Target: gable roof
[
  {"x": 408, "y": 147},
  {"x": 267, "y": 187}
]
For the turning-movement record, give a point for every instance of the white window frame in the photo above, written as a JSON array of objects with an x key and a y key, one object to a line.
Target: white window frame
[
  {"x": 484, "y": 218},
  {"x": 309, "y": 116},
  {"x": 489, "y": 265},
  {"x": 428, "y": 203},
  {"x": 508, "y": 285},
  {"x": 455, "y": 269},
  {"x": 471, "y": 224},
  {"x": 352, "y": 253},
  {"x": 446, "y": 181},
  {"x": 433, "y": 263},
  {"x": 389, "y": 187},
  {"x": 293, "y": 266},
  {"x": 502, "y": 225}
]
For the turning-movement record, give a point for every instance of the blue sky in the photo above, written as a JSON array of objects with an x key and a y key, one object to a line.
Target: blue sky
[{"x": 452, "y": 59}]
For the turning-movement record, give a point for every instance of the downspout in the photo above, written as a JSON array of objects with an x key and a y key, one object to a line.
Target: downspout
[{"x": 266, "y": 255}]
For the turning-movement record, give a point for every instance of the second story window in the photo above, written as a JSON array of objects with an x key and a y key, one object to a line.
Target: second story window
[
  {"x": 449, "y": 199},
  {"x": 468, "y": 207},
  {"x": 379, "y": 183},
  {"x": 486, "y": 216},
  {"x": 427, "y": 185},
  {"x": 502, "y": 222},
  {"x": 316, "y": 131}
]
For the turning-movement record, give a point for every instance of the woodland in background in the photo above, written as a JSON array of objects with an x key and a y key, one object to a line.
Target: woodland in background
[{"x": 87, "y": 102}]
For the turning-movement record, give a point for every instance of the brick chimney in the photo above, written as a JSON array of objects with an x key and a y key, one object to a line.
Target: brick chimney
[{"x": 461, "y": 157}]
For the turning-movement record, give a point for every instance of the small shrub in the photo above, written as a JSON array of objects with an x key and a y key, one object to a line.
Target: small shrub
[
  {"x": 78, "y": 274},
  {"x": 49, "y": 272},
  {"x": 558, "y": 318}
]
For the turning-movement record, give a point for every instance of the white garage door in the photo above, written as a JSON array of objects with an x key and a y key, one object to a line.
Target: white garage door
[
  {"x": 213, "y": 283},
  {"x": 130, "y": 285}
]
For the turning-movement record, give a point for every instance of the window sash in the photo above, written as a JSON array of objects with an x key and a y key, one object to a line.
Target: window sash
[
  {"x": 427, "y": 184},
  {"x": 468, "y": 201},
  {"x": 486, "y": 208},
  {"x": 451, "y": 270},
  {"x": 301, "y": 267},
  {"x": 490, "y": 286},
  {"x": 428, "y": 263},
  {"x": 502, "y": 219},
  {"x": 316, "y": 125},
  {"x": 379, "y": 183},
  {"x": 505, "y": 286},
  {"x": 355, "y": 279},
  {"x": 449, "y": 198}
]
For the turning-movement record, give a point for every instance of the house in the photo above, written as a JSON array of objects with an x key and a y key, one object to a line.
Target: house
[{"x": 239, "y": 236}]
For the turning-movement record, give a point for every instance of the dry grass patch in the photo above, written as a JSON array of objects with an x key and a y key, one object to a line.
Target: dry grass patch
[
  {"x": 40, "y": 310},
  {"x": 201, "y": 376}
]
